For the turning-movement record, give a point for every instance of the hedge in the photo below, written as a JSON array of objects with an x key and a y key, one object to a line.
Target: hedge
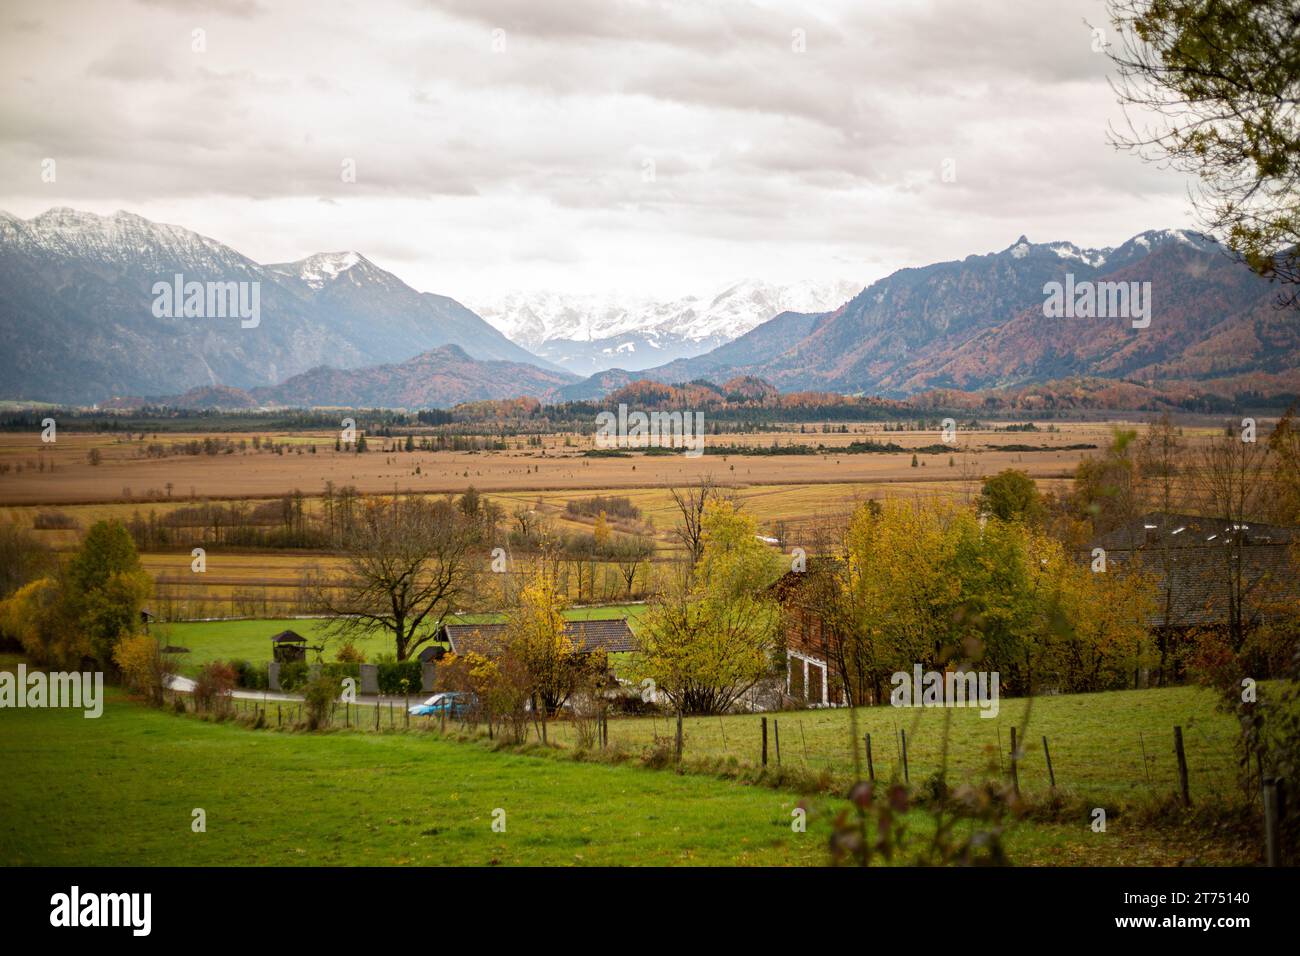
[
  {"x": 249, "y": 676},
  {"x": 392, "y": 673}
]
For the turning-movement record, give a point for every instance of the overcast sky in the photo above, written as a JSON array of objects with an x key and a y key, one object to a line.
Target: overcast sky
[{"x": 658, "y": 148}]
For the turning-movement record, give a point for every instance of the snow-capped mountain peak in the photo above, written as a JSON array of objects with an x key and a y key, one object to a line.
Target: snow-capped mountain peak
[
  {"x": 122, "y": 239},
  {"x": 590, "y": 333},
  {"x": 322, "y": 267},
  {"x": 1142, "y": 243}
]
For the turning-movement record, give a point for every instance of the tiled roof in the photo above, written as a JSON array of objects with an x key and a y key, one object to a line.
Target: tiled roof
[
  {"x": 613, "y": 635},
  {"x": 1193, "y": 559},
  {"x": 788, "y": 586},
  {"x": 1161, "y": 530}
]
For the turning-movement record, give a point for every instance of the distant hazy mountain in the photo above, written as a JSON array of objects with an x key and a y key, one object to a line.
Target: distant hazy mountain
[
  {"x": 979, "y": 323},
  {"x": 78, "y": 323},
  {"x": 588, "y": 334},
  {"x": 439, "y": 378}
]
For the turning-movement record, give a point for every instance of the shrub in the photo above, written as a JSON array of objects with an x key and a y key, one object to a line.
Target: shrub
[
  {"x": 54, "y": 521},
  {"x": 250, "y": 676},
  {"x": 615, "y": 507},
  {"x": 632, "y": 704},
  {"x": 213, "y": 686},
  {"x": 337, "y": 672},
  {"x": 319, "y": 695},
  {"x": 145, "y": 668},
  {"x": 349, "y": 653},
  {"x": 392, "y": 674},
  {"x": 293, "y": 675}
]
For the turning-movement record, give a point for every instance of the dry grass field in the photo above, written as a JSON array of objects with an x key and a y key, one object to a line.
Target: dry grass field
[
  {"x": 56, "y": 488},
  {"x": 32, "y": 473}
]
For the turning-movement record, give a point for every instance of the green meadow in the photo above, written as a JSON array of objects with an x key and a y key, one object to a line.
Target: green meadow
[
  {"x": 250, "y": 640},
  {"x": 1114, "y": 746},
  {"x": 123, "y": 790}
]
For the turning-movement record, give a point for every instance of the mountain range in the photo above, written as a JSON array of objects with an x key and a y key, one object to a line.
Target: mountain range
[
  {"x": 79, "y": 324},
  {"x": 980, "y": 323},
  {"x": 78, "y": 321},
  {"x": 588, "y": 334}
]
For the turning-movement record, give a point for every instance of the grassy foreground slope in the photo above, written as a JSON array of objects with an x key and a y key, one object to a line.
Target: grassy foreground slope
[{"x": 121, "y": 790}]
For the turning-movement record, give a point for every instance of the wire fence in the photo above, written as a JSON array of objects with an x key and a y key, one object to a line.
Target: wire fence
[{"x": 1121, "y": 757}]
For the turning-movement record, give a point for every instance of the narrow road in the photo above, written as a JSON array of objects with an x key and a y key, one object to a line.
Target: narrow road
[{"x": 185, "y": 685}]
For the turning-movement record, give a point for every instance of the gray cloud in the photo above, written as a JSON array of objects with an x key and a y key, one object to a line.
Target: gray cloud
[{"x": 479, "y": 167}]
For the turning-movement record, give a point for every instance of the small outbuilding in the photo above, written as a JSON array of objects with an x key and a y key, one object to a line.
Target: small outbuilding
[
  {"x": 288, "y": 647},
  {"x": 612, "y": 635},
  {"x": 432, "y": 654}
]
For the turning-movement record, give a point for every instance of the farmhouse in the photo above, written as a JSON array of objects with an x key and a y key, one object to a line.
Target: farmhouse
[
  {"x": 812, "y": 643},
  {"x": 1210, "y": 574},
  {"x": 613, "y": 636}
]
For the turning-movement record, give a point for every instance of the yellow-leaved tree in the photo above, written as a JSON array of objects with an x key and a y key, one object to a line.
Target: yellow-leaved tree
[
  {"x": 538, "y": 639},
  {"x": 1100, "y": 636},
  {"x": 711, "y": 638}
]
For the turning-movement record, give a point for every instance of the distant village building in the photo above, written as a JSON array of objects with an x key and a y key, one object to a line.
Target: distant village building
[
  {"x": 612, "y": 636},
  {"x": 1210, "y": 575},
  {"x": 813, "y": 646}
]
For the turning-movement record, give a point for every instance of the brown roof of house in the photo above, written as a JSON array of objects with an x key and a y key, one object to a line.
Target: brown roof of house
[
  {"x": 1190, "y": 558},
  {"x": 288, "y": 637},
  {"x": 788, "y": 587},
  {"x": 612, "y": 635}
]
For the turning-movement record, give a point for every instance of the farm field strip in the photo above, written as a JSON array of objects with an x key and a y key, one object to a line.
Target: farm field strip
[{"x": 126, "y": 479}]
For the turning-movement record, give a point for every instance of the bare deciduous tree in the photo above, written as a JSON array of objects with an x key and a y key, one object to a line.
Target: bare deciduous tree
[
  {"x": 1233, "y": 486},
  {"x": 691, "y": 502},
  {"x": 409, "y": 565}
]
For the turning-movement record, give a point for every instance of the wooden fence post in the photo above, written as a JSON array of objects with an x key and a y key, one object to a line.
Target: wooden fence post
[
  {"x": 1048, "y": 754},
  {"x": 1015, "y": 773},
  {"x": 1182, "y": 766},
  {"x": 776, "y": 732},
  {"x": 871, "y": 766},
  {"x": 1272, "y": 832},
  {"x": 903, "y": 737},
  {"x": 764, "y": 719}
]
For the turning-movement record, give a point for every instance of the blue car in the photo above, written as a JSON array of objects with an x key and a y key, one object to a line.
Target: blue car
[{"x": 451, "y": 703}]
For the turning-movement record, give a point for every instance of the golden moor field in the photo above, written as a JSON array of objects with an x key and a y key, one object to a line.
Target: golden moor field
[
  {"x": 84, "y": 477},
  {"x": 61, "y": 473}
]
